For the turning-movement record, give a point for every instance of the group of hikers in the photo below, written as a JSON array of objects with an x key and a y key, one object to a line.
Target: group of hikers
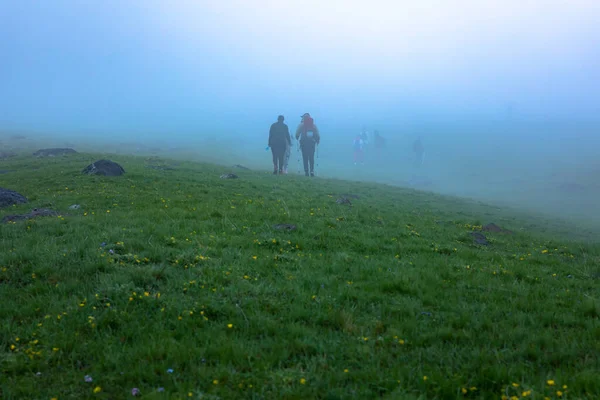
[
  {"x": 307, "y": 133},
  {"x": 280, "y": 143},
  {"x": 364, "y": 141}
]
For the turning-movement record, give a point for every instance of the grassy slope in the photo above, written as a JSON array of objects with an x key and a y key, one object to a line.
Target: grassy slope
[{"x": 387, "y": 298}]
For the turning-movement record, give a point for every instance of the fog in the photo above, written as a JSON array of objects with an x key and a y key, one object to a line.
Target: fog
[{"x": 504, "y": 94}]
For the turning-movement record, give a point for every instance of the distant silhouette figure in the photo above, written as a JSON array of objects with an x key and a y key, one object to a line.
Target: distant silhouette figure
[
  {"x": 358, "y": 150},
  {"x": 379, "y": 140},
  {"x": 279, "y": 140},
  {"x": 419, "y": 151}
]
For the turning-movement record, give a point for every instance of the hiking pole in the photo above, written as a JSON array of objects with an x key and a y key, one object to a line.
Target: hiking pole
[
  {"x": 298, "y": 158},
  {"x": 317, "y": 166}
]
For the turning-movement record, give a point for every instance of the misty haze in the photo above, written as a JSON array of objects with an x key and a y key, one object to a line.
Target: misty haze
[
  {"x": 507, "y": 113},
  {"x": 492, "y": 103}
]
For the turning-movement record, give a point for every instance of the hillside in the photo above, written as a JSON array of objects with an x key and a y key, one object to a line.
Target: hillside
[{"x": 179, "y": 284}]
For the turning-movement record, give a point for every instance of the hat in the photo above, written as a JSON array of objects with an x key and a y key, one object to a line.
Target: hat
[{"x": 305, "y": 115}]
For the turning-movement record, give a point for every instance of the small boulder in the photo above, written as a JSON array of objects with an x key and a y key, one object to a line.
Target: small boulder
[
  {"x": 160, "y": 167},
  {"x": 53, "y": 152},
  {"x": 36, "y": 212},
  {"x": 10, "y": 197},
  {"x": 344, "y": 200},
  {"x": 285, "y": 227},
  {"x": 479, "y": 238},
  {"x": 229, "y": 176},
  {"x": 351, "y": 196},
  {"x": 105, "y": 168},
  {"x": 495, "y": 229}
]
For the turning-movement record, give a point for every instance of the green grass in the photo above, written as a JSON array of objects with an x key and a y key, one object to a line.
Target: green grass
[{"x": 388, "y": 298}]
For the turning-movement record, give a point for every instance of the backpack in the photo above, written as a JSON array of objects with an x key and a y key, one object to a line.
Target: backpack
[
  {"x": 309, "y": 127},
  {"x": 309, "y": 124}
]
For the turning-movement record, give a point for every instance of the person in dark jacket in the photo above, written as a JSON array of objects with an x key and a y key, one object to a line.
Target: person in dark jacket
[
  {"x": 279, "y": 140},
  {"x": 308, "y": 134}
]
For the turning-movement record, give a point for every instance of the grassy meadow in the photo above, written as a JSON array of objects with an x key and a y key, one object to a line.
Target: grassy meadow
[{"x": 172, "y": 283}]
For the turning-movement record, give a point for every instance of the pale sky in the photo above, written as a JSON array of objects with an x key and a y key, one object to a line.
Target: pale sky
[{"x": 136, "y": 64}]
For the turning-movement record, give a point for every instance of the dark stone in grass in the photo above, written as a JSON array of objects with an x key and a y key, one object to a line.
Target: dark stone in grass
[
  {"x": 36, "y": 212},
  {"x": 229, "y": 176},
  {"x": 10, "y": 197},
  {"x": 479, "y": 238},
  {"x": 344, "y": 200},
  {"x": 54, "y": 152},
  {"x": 285, "y": 227},
  {"x": 161, "y": 167},
  {"x": 495, "y": 229},
  {"x": 105, "y": 168},
  {"x": 6, "y": 154}
]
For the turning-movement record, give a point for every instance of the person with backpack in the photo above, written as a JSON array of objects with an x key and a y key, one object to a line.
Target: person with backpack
[
  {"x": 358, "y": 150},
  {"x": 279, "y": 140},
  {"x": 308, "y": 134}
]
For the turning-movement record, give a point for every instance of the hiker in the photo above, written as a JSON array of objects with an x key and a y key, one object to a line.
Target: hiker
[
  {"x": 364, "y": 134},
  {"x": 286, "y": 158},
  {"x": 279, "y": 139},
  {"x": 379, "y": 144},
  {"x": 358, "y": 150},
  {"x": 379, "y": 141},
  {"x": 419, "y": 152},
  {"x": 308, "y": 134}
]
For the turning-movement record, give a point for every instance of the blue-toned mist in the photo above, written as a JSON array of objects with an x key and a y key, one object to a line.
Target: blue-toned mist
[{"x": 505, "y": 94}]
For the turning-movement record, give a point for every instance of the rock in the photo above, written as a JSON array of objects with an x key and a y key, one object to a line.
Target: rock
[
  {"x": 6, "y": 154},
  {"x": 75, "y": 207},
  {"x": 479, "y": 238},
  {"x": 160, "y": 167},
  {"x": 285, "y": 227},
  {"x": 495, "y": 228},
  {"x": 105, "y": 168},
  {"x": 344, "y": 200},
  {"x": 54, "y": 152},
  {"x": 229, "y": 176},
  {"x": 9, "y": 198},
  {"x": 36, "y": 212}
]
